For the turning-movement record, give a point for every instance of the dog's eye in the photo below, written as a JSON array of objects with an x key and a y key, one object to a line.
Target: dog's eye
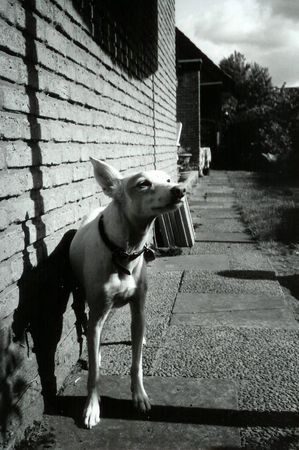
[
  {"x": 168, "y": 181},
  {"x": 145, "y": 184}
]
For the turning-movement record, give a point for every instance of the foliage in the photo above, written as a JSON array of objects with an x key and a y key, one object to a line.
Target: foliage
[
  {"x": 11, "y": 384},
  {"x": 259, "y": 118},
  {"x": 38, "y": 436}
]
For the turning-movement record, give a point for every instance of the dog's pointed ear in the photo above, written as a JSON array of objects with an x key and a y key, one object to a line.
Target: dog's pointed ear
[{"x": 107, "y": 176}]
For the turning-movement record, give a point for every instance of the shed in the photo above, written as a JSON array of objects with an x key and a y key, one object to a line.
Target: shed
[{"x": 200, "y": 89}]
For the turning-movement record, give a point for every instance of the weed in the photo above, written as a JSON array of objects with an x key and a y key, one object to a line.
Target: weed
[
  {"x": 11, "y": 384},
  {"x": 36, "y": 437}
]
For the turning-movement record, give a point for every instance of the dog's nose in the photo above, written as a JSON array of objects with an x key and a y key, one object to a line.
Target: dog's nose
[{"x": 177, "y": 192}]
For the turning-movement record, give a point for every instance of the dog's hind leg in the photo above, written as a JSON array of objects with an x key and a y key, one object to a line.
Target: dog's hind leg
[
  {"x": 140, "y": 398},
  {"x": 91, "y": 415}
]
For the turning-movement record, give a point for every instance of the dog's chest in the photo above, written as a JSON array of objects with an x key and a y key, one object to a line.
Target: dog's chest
[{"x": 120, "y": 290}]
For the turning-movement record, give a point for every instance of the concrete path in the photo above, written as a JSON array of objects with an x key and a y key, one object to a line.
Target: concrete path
[{"x": 221, "y": 362}]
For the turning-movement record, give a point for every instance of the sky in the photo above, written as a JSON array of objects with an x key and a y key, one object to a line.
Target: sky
[{"x": 265, "y": 31}]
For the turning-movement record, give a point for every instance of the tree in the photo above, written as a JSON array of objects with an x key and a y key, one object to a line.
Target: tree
[
  {"x": 253, "y": 84},
  {"x": 259, "y": 117}
]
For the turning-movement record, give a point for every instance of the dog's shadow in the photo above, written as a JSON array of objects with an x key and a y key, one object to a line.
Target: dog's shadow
[
  {"x": 123, "y": 409},
  {"x": 44, "y": 292}
]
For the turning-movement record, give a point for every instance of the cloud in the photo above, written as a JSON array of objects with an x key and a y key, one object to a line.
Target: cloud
[
  {"x": 286, "y": 8},
  {"x": 265, "y": 31}
]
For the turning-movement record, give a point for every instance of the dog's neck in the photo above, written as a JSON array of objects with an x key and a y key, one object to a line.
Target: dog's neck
[{"x": 129, "y": 233}]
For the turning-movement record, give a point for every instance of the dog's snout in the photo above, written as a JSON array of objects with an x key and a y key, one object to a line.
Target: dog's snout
[{"x": 177, "y": 192}]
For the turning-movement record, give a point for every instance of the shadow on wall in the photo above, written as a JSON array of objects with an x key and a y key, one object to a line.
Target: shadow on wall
[
  {"x": 44, "y": 293},
  {"x": 44, "y": 290},
  {"x": 126, "y": 30}
]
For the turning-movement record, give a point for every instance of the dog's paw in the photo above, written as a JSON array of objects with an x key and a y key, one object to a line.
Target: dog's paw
[
  {"x": 141, "y": 401},
  {"x": 91, "y": 414}
]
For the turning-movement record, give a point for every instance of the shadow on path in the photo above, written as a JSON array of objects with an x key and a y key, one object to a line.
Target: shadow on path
[
  {"x": 112, "y": 408},
  {"x": 290, "y": 282}
]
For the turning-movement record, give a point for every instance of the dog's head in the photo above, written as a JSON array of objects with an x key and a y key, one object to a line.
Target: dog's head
[{"x": 144, "y": 194}]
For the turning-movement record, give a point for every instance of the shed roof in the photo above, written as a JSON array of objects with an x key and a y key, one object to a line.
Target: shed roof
[{"x": 186, "y": 51}]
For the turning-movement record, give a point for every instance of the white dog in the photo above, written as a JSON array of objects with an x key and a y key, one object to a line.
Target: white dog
[{"x": 108, "y": 257}]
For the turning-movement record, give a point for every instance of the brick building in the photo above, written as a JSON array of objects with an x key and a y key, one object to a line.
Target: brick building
[
  {"x": 201, "y": 85},
  {"x": 77, "y": 79}
]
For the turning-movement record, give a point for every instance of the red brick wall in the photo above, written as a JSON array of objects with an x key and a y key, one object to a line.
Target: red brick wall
[{"x": 63, "y": 99}]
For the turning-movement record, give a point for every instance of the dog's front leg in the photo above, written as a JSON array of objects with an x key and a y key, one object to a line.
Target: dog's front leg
[
  {"x": 140, "y": 398},
  {"x": 91, "y": 415}
]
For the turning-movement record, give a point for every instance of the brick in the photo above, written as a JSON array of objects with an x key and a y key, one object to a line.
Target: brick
[
  {"x": 7, "y": 11},
  {"x": 13, "y": 68},
  {"x": 54, "y": 153},
  {"x": 82, "y": 171},
  {"x": 15, "y": 182},
  {"x": 72, "y": 12},
  {"x": 18, "y": 154},
  {"x": 14, "y": 126},
  {"x": 53, "y": 198},
  {"x": 12, "y": 39},
  {"x": 19, "y": 14},
  {"x": 2, "y": 157},
  {"x": 4, "y": 220},
  {"x": 52, "y": 241},
  {"x": 5, "y": 276},
  {"x": 9, "y": 300},
  {"x": 10, "y": 271},
  {"x": 17, "y": 209},
  {"x": 13, "y": 12},
  {"x": 13, "y": 98},
  {"x": 57, "y": 175},
  {"x": 11, "y": 242}
]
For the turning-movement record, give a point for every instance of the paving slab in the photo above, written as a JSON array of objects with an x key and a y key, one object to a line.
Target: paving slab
[
  {"x": 221, "y": 183},
  {"x": 217, "y": 213},
  {"x": 203, "y": 204},
  {"x": 215, "y": 180},
  {"x": 187, "y": 262},
  {"x": 213, "y": 190},
  {"x": 185, "y": 414},
  {"x": 233, "y": 310},
  {"x": 209, "y": 198},
  {"x": 243, "y": 260},
  {"x": 256, "y": 318},
  {"x": 273, "y": 413},
  {"x": 258, "y": 355},
  {"x": 218, "y": 236},
  {"x": 202, "y": 303},
  {"x": 227, "y": 248},
  {"x": 224, "y": 225},
  {"x": 236, "y": 282}
]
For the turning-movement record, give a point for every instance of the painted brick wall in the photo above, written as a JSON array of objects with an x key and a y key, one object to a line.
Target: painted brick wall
[{"x": 65, "y": 97}]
